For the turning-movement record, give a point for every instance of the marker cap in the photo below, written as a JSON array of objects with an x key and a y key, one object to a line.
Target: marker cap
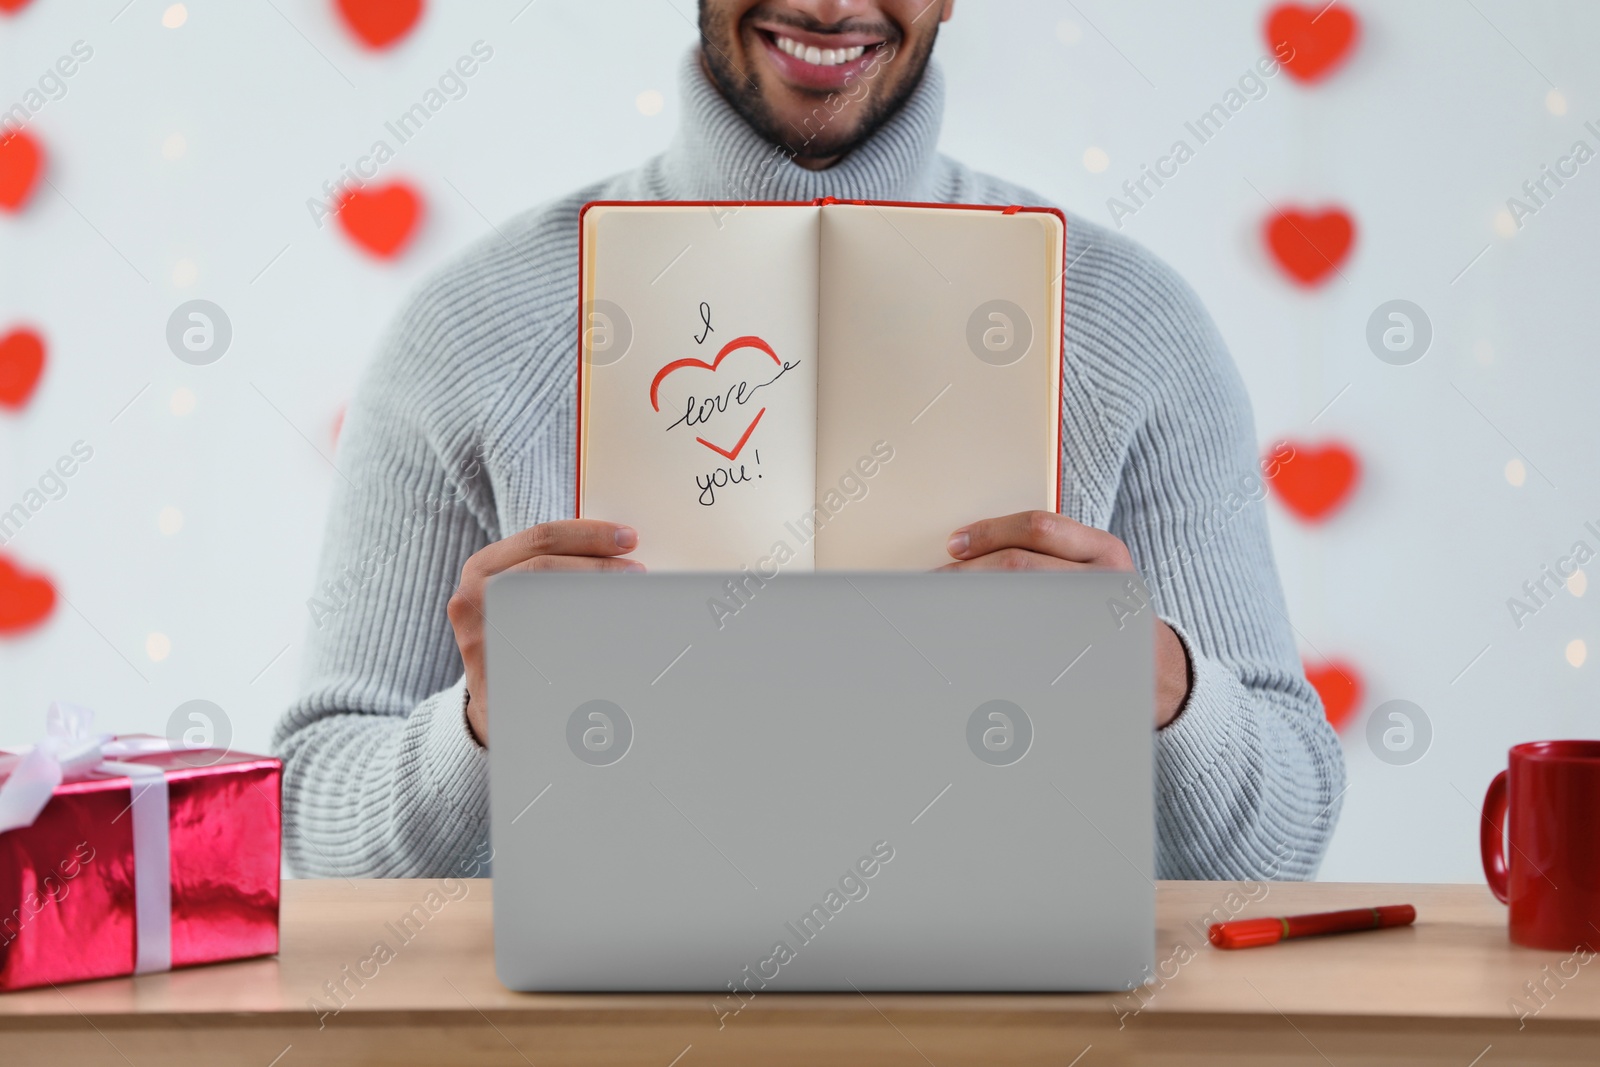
[{"x": 1248, "y": 933}]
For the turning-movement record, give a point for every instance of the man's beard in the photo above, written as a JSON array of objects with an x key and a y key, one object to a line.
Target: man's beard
[{"x": 829, "y": 140}]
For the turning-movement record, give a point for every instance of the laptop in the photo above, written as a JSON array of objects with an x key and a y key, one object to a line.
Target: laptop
[{"x": 827, "y": 781}]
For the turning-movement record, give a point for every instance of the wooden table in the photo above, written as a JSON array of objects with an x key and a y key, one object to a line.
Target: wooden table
[{"x": 1441, "y": 992}]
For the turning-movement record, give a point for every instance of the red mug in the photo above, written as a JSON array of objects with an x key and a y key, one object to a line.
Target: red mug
[{"x": 1551, "y": 876}]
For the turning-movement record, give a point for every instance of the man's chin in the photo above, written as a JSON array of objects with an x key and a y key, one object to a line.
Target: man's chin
[
  {"x": 811, "y": 124},
  {"x": 813, "y": 132}
]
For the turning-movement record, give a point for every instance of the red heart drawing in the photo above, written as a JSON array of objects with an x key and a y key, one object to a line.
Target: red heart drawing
[
  {"x": 1320, "y": 36},
  {"x": 25, "y": 599},
  {"x": 732, "y": 346},
  {"x": 11, "y": 7},
  {"x": 21, "y": 364},
  {"x": 1310, "y": 247},
  {"x": 1313, "y": 482},
  {"x": 1339, "y": 685},
  {"x": 21, "y": 160},
  {"x": 380, "y": 219},
  {"x": 379, "y": 23}
]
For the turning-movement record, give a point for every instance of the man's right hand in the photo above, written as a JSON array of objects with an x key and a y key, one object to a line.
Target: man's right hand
[{"x": 563, "y": 545}]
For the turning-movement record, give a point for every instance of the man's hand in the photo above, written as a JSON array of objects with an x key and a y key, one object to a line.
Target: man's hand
[
  {"x": 1043, "y": 540},
  {"x": 564, "y": 545}
]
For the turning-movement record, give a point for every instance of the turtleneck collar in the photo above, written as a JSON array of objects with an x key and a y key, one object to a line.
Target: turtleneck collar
[{"x": 716, "y": 155}]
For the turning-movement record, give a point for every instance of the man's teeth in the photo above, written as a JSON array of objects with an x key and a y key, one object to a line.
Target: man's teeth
[{"x": 819, "y": 57}]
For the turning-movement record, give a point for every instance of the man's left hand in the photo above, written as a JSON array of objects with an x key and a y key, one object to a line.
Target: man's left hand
[{"x": 1043, "y": 540}]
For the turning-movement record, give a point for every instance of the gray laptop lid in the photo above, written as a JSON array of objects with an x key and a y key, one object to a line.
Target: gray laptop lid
[{"x": 823, "y": 782}]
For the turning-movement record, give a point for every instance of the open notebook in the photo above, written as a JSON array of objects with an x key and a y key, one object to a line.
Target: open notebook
[{"x": 838, "y": 384}]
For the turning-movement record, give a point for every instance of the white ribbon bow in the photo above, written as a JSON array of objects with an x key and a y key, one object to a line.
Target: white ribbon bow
[{"x": 70, "y": 752}]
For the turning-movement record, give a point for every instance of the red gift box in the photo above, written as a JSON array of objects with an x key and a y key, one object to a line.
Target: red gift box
[{"x": 72, "y": 883}]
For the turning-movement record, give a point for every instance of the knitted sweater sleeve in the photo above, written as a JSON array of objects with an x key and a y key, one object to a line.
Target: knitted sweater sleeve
[
  {"x": 382, "y": 777},
  {"x": 1250, "y": 774}
]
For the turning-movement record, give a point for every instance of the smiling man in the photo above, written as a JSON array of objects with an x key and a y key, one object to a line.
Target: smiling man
[
  {"x": 817, "y": 89},
  {"x": 458, "y": 456}
]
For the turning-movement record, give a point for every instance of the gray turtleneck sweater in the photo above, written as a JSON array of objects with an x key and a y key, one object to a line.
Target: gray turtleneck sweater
[{"x": 462, "y": 434}]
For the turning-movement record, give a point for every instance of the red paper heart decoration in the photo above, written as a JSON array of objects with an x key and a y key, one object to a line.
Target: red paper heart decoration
[
  {"x": 1340, "y": 687},
  {"x": 380, "y": 219},
  {"x": 1313, "y": 482},
  {"x": 734, "y": 345},
  {"x": 21, "y": 160},
  {"x": 1321, "y": 36},
  {"x": 21, "y": 364},
  {"x": 379, "y": 23},
  {"x": 11, "y": 7},
  {"x": 25, "y": 599},
  {"x": 1310, "y": 247}
]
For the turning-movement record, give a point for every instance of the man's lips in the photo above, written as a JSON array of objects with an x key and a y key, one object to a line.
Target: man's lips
[{"x": 818, "y": 60}]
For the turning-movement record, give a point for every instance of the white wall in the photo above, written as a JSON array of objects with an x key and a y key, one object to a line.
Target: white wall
[{"x": 1439, "y": 117}]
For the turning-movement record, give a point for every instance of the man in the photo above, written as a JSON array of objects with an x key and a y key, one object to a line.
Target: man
[{"x": 459, "y": 454}]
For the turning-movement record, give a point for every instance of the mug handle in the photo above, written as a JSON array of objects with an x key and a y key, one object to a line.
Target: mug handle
[{"x": 1491, "y": 836}]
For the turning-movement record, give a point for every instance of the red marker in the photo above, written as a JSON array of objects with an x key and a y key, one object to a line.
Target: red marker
[{"x": 1248, "y": 933}]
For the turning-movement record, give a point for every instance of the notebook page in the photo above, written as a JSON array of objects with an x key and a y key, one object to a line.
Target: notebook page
[
  {"x": 697, "y": 395},
  {"x": 939, "y": 392}
]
